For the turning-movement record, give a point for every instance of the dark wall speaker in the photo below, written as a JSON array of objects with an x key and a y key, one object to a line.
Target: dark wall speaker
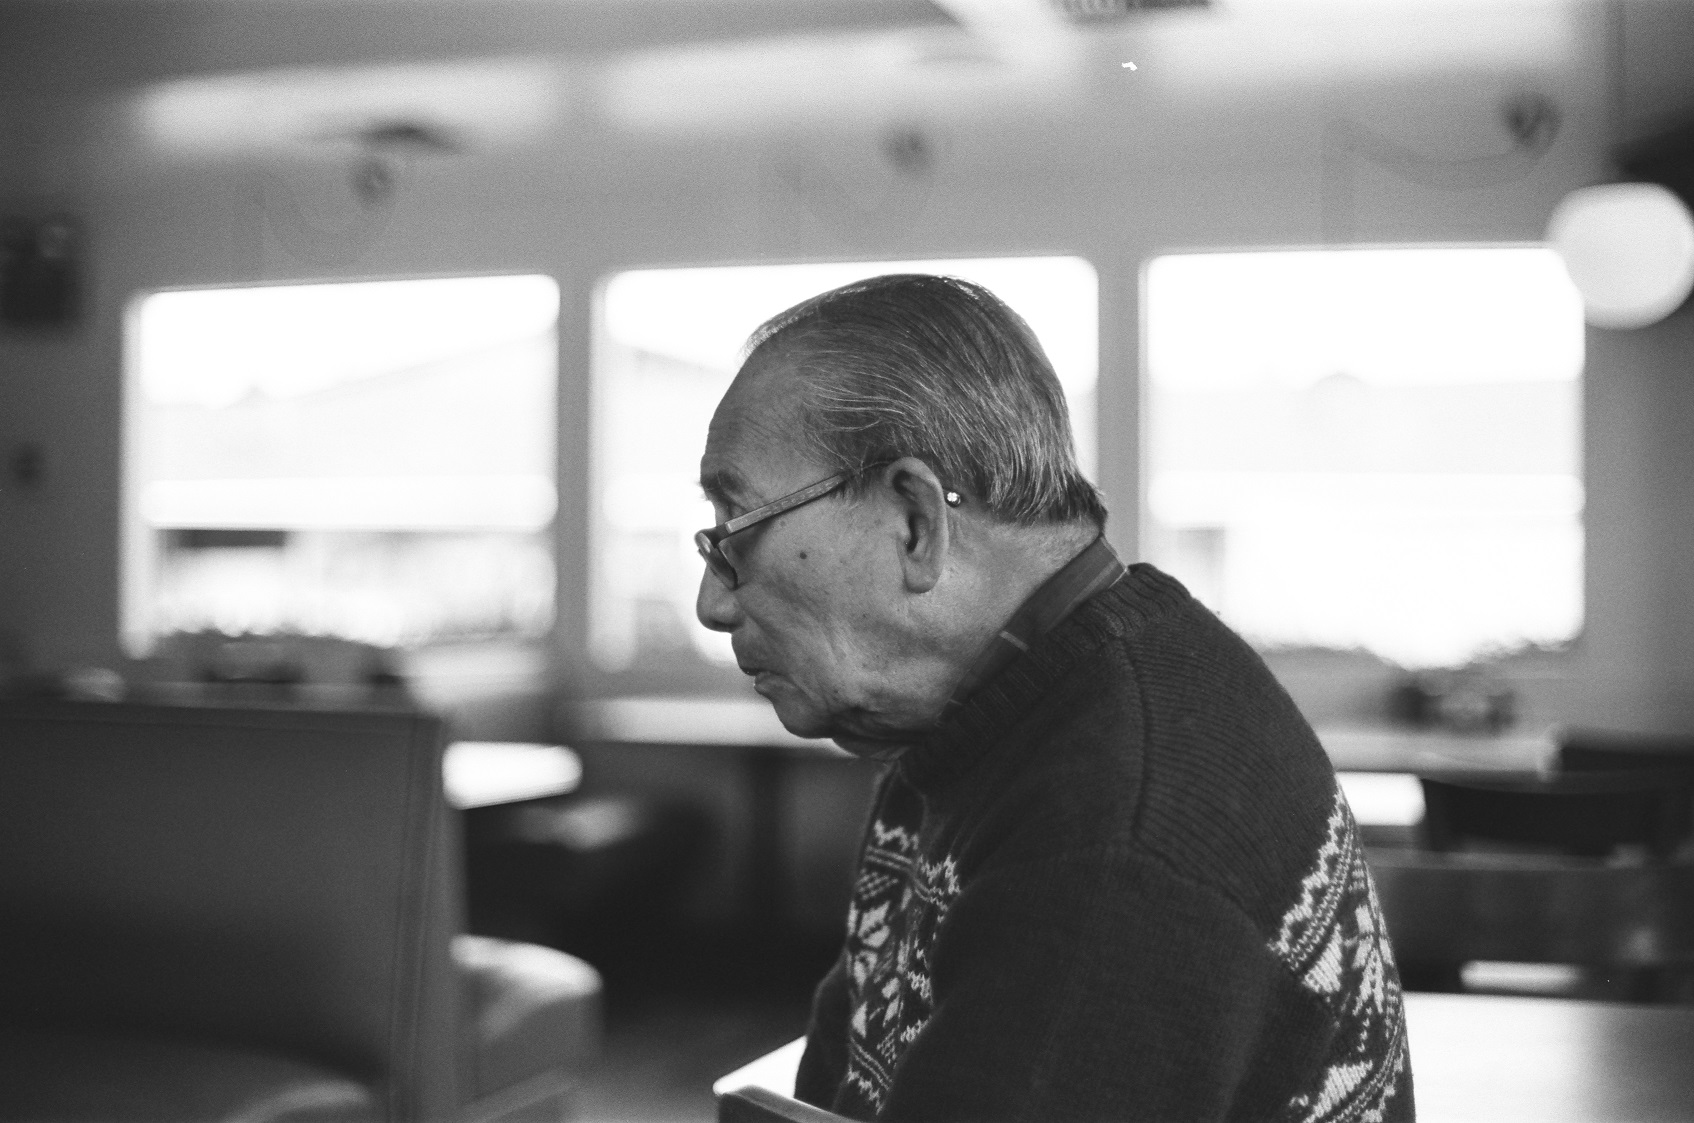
[{"x": 40, "y": 273}]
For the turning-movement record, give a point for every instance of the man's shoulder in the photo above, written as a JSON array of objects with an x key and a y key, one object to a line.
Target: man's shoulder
[
  {"x": 1141, "y": 723},
  {"x": 1233, "y": 788},
  {"x": 1203, "y": 707}
]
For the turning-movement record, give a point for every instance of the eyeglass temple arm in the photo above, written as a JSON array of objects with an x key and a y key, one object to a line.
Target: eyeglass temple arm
[{"x": 759, "y": 514}]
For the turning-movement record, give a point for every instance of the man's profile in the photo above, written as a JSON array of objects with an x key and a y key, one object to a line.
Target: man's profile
[{"x": 1109, "y": 873}]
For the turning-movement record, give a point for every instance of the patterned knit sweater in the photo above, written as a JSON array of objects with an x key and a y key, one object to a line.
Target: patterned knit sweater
[{"x": 1119, "y": 884}]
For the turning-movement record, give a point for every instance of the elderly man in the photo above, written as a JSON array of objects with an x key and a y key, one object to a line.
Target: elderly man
[{"x": 1109, "y": 874}]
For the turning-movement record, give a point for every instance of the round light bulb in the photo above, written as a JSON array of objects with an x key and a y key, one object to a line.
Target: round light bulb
[{"x": 1629, "y": 249}]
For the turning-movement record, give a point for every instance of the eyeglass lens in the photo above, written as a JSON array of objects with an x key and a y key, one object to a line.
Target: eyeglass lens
[{"x": 715, "y": 560}]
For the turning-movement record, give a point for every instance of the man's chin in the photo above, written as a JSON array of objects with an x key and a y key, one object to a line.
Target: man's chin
[
  {"x": 804, "y": 718},
  {"x": 796, "y": 713}
]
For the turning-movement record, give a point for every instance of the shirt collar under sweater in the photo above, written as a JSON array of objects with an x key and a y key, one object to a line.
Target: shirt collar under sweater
[
  {"x": 1074, "y": 626},
  {"x": 1096, "y": 567}
]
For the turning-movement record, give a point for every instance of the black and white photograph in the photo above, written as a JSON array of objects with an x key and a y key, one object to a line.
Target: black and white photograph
[{"x": 813, "y": 561}]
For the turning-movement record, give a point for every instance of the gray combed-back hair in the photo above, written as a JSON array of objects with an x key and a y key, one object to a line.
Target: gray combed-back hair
[{"x": 940, "y": 369}]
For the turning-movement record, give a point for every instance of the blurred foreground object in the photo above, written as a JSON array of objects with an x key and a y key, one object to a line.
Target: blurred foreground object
[
  {"x": 224, "y": 913},
  {"x": 1479, "y": 1057}
]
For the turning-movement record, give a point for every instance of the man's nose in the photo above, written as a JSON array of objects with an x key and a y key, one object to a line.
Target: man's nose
[{"x": 715, "y": 605}]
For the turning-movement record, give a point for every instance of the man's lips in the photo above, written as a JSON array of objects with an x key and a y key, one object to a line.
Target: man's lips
[{"x": 761, "y": 676}]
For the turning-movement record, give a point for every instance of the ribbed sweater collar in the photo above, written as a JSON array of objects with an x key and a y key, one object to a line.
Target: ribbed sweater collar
[{"x": 974, "y": 730}]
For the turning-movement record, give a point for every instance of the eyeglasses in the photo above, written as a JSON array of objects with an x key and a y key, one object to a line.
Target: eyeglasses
[{"x": 709, "y": 541}]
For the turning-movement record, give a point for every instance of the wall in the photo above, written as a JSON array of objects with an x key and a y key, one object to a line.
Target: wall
[{"x": 1230, "y": 142}]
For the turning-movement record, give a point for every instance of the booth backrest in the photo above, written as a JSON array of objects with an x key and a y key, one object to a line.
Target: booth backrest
[
  {"x": 274, "y": 878},
  {"x": 1454, "y": 908},
  {"x": 1591, "y": 750},
  {"x": 1580, "y": 812}
]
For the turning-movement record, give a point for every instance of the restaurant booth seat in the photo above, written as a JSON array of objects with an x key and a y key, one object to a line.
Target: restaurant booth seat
[
  {"x": 1588, "y": 867},
  {"x": 247, "y": 914},
  {"x": 1593, "y": 750},
  {"x": 1609, "y": 791},
  {"x": 596, "y": 873},
  {"x": 1588, "y": 813}
]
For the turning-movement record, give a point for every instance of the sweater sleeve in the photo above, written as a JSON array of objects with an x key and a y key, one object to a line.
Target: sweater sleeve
[
  {"x": 825, "y": 1059},
  {"x": 1102, "y": 988}
]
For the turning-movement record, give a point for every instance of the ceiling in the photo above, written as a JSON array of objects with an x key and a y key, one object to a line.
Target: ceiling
[
  {"x": 59, "y": 43},
  {"x": 212, "y": 76}
]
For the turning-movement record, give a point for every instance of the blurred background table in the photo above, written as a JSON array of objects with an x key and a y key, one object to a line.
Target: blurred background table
[
  {"x": 486, "y": 773},
  {"x": 1379, "y": 767},
  {"x": 1431, "y": 752}
]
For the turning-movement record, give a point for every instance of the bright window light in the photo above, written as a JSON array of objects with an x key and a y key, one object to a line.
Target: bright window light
[
  {"x": 1375, "y": 449},
  {"x": 667, "y": 345},
  {"x": 369, "y": 460}
]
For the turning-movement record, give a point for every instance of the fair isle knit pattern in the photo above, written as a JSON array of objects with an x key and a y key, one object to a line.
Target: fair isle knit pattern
[
  {"x": 1118, "y": 883},
  {"x": 1332, "y": 938},
  {"x": 899, "y": 901},
  {"x": 1334, "y": 941}
]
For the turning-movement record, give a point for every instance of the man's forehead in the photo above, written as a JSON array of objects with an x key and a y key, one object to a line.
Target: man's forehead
[
  {"x": 753, "y": 431},
  {"x": 767, "y": 390}
]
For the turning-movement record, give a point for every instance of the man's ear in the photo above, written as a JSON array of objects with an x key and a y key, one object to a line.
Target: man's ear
[{"x": 922, "y": 503}]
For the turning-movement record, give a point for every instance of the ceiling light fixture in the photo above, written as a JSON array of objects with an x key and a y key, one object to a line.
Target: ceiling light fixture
[{"x": 1629, "y": 248}]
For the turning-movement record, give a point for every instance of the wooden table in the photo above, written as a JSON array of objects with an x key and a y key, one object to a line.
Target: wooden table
[
  {"x": 676, "y": 720},
  {"x": 1378, "y": 766},
  {"x": 1547, "y": 1060},
  {"x": 1490, "y": 1059},
  {"x": 1428, "y": 752}
]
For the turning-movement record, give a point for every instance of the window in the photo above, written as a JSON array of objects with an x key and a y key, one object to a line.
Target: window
[
  {"x": 1372, "y": 448},
  {"x": 667, "y": 345},
  {"x": 373, "y": 461}
]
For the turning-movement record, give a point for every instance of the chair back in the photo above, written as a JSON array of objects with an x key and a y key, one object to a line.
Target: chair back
[
  {"x": 279, "y": 878},
  {"x": 1589, "y": 750},
  {"x": 1454, "y": 908},
  {"x": 1588, "y": 813}
]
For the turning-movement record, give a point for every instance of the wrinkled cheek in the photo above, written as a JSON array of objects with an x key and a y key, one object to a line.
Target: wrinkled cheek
[{"x": 809, "y": 675}]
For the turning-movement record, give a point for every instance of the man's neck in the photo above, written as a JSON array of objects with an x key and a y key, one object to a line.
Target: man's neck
[
  {"x": 1019, "y": 561},
  {"x": 997, "y": 570}
]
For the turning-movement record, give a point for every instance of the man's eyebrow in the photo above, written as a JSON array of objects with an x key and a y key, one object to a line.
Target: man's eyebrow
[{"x": 723, "y": 485}]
